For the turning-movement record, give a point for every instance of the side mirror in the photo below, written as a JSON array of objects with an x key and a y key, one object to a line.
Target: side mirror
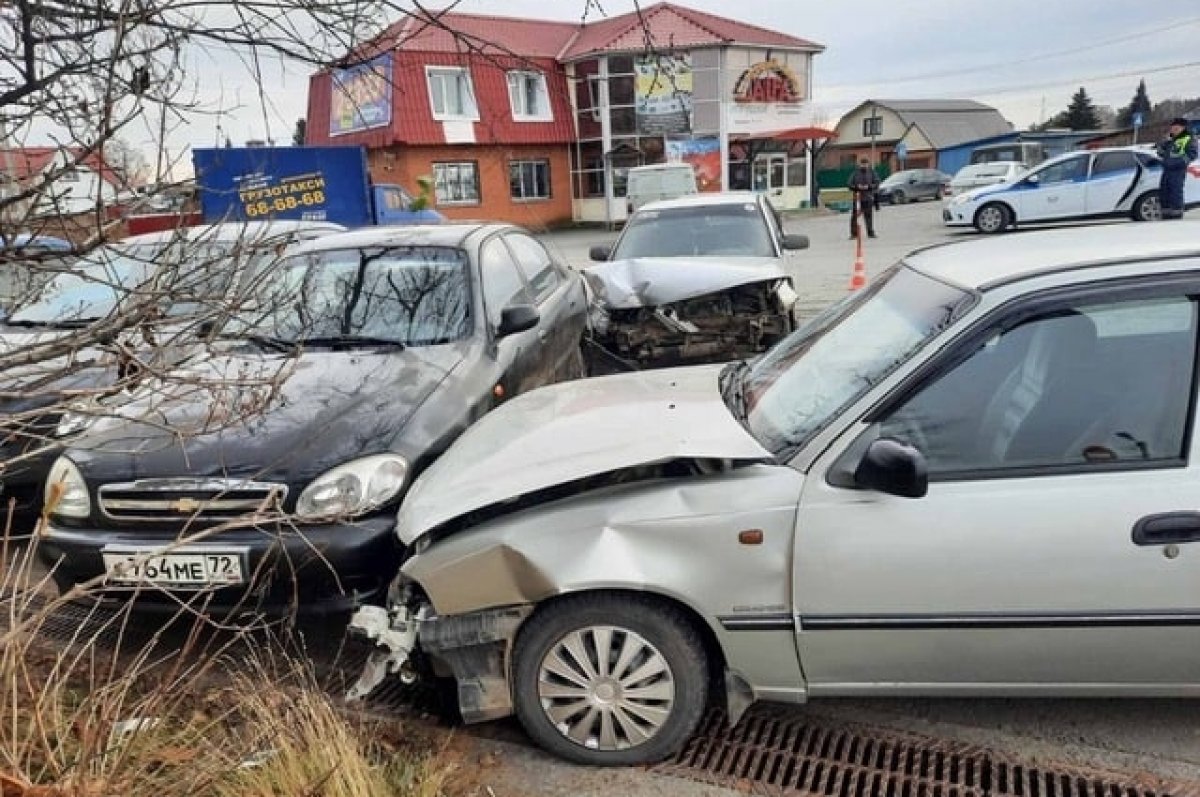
[
  {"x": 795, "y": 241},
  {"x": 1033, "y": 179},
  {"x": 895, "y": 468},
  {"x": 206, "y": 328},
  {"x": 600, "y": 253},
  {"x": 517, "y": 318},
  {"x": 914, "y": 180}
]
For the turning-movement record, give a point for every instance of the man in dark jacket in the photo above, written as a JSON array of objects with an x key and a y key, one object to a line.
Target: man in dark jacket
[
  {"x": 1176, "y": 152},
  {"x": 863, "y": 184}
]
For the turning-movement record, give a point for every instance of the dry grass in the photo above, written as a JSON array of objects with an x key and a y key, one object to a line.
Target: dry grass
[{"x": 208, "y": 715}]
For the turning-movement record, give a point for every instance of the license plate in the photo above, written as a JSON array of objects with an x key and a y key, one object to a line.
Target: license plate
[{"x": 181, "y": 567}]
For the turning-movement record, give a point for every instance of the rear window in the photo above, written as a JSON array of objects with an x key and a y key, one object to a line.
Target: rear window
[{"x": 985, "y": 170}]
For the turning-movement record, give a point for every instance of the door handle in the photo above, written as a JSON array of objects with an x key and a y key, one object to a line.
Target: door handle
[{"x": 1166, "y": 528}]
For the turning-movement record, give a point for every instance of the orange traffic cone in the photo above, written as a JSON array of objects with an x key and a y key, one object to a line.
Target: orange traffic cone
[{"x": 858, "y": 277}]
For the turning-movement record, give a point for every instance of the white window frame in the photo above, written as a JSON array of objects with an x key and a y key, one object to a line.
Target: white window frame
[
  {"x": 518, "y": 85},
  {"x": 463, "y": 79},
  {"x": 543, "y": 162},
  {"x": 458, "y": 165}
]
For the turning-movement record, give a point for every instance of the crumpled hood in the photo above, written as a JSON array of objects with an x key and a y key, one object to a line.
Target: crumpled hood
[
  {"x": 243, "y": 415},
  {"x": 652, "y": 281},
  {"x": 566, "y": 432}
]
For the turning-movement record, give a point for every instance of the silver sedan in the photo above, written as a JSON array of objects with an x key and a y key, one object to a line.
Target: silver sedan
[{"x": 977, "y": 477}]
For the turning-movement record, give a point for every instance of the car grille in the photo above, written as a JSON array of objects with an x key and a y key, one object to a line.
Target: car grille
[{"x": 214, "y": 500}]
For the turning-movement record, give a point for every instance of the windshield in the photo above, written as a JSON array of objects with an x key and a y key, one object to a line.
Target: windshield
[
  {"x": 738, "y": 230},
  {"x": 898, "y": 177},
  {"x": 985, "y": 170},
  {"x": 411, "y": 295},
  {"x": 829, "y": 363},
  {"x": 91, "y": 289}
]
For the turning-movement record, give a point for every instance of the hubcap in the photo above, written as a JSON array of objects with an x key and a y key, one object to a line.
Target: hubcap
[
  {"x": 606, "y": 688},
  {"x": 989, "y": 219},
  {"x": 1152, "y": 209}
]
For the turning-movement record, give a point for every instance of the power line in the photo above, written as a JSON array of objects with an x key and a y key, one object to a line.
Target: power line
[{"x": 1031, "y": 59}]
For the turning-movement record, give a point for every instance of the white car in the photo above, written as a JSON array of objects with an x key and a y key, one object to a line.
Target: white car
[
  {"x": 1120, "y": 181},
  {"x": 977, "y": 174}
]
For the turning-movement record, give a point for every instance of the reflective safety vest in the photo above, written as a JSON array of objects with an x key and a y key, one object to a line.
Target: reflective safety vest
[{"x": 1181, "y": 144}]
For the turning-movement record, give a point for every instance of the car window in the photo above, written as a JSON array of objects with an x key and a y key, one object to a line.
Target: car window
[
  {"x": 535, "y": 263},
  {"x": 737, "y": 229},
  {"x": 1074, "y": 388},
  {"x": 502, "y": 283},
  {"x": 1064, "y": 171},
  {"x": 1109, "y": 162},
  {"x": 415, "y": 295}
]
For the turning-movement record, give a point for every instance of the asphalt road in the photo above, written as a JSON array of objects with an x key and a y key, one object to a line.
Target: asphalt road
[{"x": 1159, "y": 736}]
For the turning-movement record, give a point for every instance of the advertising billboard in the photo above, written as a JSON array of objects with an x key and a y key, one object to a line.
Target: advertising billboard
[
  {"x": 361, "y": 96},
  {"x": 664, "y": 94}
]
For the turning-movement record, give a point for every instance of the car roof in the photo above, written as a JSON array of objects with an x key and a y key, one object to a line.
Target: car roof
[
  {"x": 233, "y": 231},
  {"x": 1143, "y": 148},
  {"x": 702, "y": 200},
  {"x": 989, "y": 262},
  {"x": 448, "y": 235}
]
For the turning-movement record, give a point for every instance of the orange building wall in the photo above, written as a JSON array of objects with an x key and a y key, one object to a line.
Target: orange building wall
[{"x": 403, "y": 165}]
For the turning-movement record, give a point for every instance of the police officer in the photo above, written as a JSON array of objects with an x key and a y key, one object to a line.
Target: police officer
[
  {"x": 863, "y": 184},
  {"x": 1177, "y": 151}
]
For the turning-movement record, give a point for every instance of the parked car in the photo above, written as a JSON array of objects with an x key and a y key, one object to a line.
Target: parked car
[
  {"x": 658, "y": 182},
  {"x": 27, "y": 261},
  {"x": 94, "y": 326},
  {"x": 911, "y": 185},
  {"x": 977, "y": 174},
  {"x": 1029, "y": 153},
  {"x": 1104, "y": 183},
  {"x": 369, "y": 352},
  {"x": 695, "y": 279},
  {"x": 929, "y": 489}
]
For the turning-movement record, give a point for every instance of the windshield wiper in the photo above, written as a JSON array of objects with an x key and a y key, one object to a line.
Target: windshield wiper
[
  {"x": 67, "y": 323},
  {"x": 351, "y": 340},
  {"x": 266, "y": 342},
  {"x": 733, "y": 388}
]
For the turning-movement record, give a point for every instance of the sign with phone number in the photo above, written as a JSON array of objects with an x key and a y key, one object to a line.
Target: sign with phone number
[{"x": 288, "y": 194}]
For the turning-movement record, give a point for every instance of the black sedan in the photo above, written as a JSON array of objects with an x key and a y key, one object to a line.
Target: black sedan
[{"x": 267, "y": 475}]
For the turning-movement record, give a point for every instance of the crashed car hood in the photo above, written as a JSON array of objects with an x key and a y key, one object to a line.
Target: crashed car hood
[
  {"x": 570, "y": 431},
  {"x": 652, "y": 281}
]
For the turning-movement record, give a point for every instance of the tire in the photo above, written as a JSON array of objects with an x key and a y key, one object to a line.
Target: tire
[
  {"x": 592, "y": 725},
  {"x": 1147, "y": 207},
  {"x": 898, "y": 198},
  {"x": 993, "y": 218}
]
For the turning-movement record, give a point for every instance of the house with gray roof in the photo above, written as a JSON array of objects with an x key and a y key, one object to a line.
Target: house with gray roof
[{"x": 916, "y": 134}]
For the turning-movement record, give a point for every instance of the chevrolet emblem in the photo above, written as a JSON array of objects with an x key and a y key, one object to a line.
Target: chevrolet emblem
[{"x": 184, "y": 506}]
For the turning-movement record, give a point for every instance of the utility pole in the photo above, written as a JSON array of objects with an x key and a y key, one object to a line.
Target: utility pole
[{"x": 871, "y": 122}]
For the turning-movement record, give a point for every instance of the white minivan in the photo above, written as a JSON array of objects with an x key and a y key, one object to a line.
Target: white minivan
[{"x": 660, "y": 181}]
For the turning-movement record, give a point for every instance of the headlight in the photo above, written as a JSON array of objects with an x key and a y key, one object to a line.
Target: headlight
[
  {"x": 354, "y": 488},
  {"x": 961, "y": 199},
  {"x": 73, "y": 421},
  {"x": 66, "y": 491}
]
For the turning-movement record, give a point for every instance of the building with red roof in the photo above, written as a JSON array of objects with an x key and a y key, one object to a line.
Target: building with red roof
[{"x": 536, "y": 122}]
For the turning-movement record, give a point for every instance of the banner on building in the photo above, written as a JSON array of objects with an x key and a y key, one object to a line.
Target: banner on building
[
  {"x": 361, "y": 96},
  {"x": 664, "y": 94},
  {"x": 767, "y": 96},
  {"x": 704, "y": 154}
]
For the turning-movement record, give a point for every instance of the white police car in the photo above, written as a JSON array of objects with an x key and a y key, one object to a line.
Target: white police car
[{"x": 1121, "y": 181}]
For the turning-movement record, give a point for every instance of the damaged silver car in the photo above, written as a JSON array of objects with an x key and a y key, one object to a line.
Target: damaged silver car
[
  {"x": 699, "y": 279},
  {"x": 976, "y": 477}
]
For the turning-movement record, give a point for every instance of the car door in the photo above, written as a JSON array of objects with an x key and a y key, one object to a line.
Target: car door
[
  {"x": 1113, "y": 179},
  {"x": 1056, "y": 191},
  {"x": 1056, "y": 547},
  {"x": 518, "y": 355},
  {"x": 560, "y": 306}
]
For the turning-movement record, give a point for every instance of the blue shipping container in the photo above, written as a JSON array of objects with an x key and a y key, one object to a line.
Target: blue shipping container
[{"x": 301, "y": 183}]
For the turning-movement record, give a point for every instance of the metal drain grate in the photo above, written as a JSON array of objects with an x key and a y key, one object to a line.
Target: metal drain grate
[{"x": 775, "y": 753}]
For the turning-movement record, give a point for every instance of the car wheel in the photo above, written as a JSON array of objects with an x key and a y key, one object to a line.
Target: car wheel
[
  {"x": 1148, "y": 207},
  {"x": 609, "y": 680},
  {"x": 898, "y": 198},
  {"x": 992, "y": 218}
]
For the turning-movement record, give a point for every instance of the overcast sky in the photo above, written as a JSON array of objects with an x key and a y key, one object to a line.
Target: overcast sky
[{"x": 1025, "y": 57}]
